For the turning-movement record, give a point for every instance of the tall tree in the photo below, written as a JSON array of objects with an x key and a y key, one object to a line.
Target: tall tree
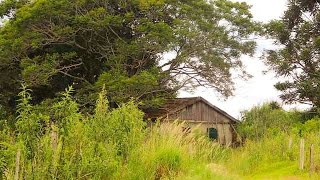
[
  {"x": 50, "y": 45},
  {"x": 297, "y": 59}
]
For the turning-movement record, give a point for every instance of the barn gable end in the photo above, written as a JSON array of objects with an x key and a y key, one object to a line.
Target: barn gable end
[
  {"x": 200, "y": 112},
  {"x": 197, "y": 111}
]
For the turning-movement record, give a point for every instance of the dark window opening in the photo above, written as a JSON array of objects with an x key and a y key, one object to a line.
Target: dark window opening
[{"x": 212, "y": 133}]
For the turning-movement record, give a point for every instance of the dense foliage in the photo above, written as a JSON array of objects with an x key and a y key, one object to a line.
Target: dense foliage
[
  {"x": 66, "y": 144},
  {"x": 50, "y": 45},
  {"x": 62, "y": 143},
  {"x": 298, "y": 34},
  {"x": 268, "y": 118}
]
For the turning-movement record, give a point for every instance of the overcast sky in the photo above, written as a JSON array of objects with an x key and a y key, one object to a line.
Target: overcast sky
[{"x": 258, "y": 89}]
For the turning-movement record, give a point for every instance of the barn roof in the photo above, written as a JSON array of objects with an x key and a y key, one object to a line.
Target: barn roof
[{"x": 173, "y": 105}]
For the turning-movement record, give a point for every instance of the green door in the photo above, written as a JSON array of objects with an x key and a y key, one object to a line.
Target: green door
[{"x": 212, "y": 133}]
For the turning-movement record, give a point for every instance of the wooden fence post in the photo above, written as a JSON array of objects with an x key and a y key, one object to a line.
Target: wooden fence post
[
  {"x": 54, "y": 138},
  {"x": 301, "y": 159},
  {"x": 16, "y": 174},
  {"x": 290, "y": 143},
  {"x": 312, "y": 167}
]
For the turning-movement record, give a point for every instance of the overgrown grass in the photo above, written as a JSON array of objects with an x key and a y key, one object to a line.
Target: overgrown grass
[
  {"x": 62, "y": 143},
  {"x": 167, "y": 152},
  {"x": 271, "y": 149},
  {"x": 271, "y": 158}
]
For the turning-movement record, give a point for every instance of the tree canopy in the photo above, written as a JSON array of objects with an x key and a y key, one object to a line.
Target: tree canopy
[
  {"x": 297, "y": 59},
  {"x": 49, "y": 45}
]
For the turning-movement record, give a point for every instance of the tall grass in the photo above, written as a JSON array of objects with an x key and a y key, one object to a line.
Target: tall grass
[
  {"x": 62, "y": 143},
  {"x": 271, "y": 147},
  {"x": 169, "y": 152},
  {"x": 272, "y": 157}
]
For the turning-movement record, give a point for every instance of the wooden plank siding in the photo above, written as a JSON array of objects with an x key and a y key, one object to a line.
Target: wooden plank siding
[
  {"x": 194, "y": 112},
  {"x": 200, "y": 112}
]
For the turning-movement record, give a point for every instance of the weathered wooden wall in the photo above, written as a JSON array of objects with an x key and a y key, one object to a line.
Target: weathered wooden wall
[
  {"x": 209, "y": 118},
  {"x": 200, "y": 112}
]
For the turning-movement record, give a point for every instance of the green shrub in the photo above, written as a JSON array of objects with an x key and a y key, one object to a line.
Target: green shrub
[
  {"x": 312, "y": 125},
  {"x": 268, "y": 119}
]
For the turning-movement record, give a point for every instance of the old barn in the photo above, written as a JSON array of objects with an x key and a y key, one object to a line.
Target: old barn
[{"x": 196, "y": 111}]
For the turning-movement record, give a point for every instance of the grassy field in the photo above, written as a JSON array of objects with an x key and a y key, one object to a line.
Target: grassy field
[
  {"x": 267, "y": 158},
  {"x": 116, "y": 144},
  {"x": 263, "y": 160}
]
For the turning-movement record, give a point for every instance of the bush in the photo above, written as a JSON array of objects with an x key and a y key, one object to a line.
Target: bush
[{"x": 268, "y": 119}]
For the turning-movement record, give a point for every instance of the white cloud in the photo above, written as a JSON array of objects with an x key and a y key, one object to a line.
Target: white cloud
[{"x": 266, "y": 10}]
